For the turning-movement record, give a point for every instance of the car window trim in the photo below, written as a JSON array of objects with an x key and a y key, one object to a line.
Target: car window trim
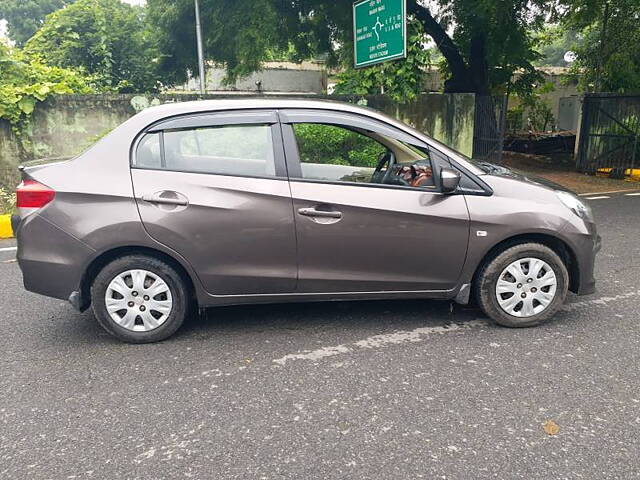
[
  {"x": 210, "y": 119},
  {"x": 332, "y": 117},
  {"x": 290, "y": 116},
  {"x": 432, "y": 190},
  {"x": 163, "y": 155},
  {"x": 170, "y": 170},
  {"x": 202, "y": 120},
  {"x": 292, "y": 154}
]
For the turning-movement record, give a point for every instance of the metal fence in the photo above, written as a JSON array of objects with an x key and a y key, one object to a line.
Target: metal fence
[
  {"x": 609, "y": 135},
  {"x": 489, "y": 127}
]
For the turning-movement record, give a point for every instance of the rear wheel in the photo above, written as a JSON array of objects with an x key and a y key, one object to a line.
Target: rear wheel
[
  {"x": 140, "y": 299},
  {"x": 523, "y": 286}
]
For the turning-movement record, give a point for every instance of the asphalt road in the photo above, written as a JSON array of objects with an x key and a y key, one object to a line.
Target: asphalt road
[{"x": 392, "y": 390}]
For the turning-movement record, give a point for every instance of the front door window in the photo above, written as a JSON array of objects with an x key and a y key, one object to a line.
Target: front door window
[{"x": 338, "y": 154}]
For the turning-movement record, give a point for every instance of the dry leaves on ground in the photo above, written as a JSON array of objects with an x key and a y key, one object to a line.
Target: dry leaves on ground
[{"x": 550, "y": 427}]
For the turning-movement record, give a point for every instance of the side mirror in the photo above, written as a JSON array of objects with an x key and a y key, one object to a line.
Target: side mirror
[{"x": 449, "y": 180}]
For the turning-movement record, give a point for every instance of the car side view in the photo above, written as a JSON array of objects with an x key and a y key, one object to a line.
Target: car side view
[{"x": 199, "y": 204}]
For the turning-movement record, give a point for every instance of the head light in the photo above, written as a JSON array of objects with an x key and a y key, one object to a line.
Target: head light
[{"x": 576, "y": 205}]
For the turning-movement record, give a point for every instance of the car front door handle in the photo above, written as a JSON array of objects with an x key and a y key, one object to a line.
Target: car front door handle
[
  {"x": 156, "y": 198},
  {"x": 312, "y": 212}
]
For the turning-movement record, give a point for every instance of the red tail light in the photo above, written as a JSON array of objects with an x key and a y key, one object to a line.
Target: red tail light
[{"x": 32, "y": 194}]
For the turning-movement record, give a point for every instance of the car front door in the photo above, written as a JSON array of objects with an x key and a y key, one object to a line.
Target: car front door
[
  {"x": 214, "y": 189},
  {"x": 358, "y": 231}
]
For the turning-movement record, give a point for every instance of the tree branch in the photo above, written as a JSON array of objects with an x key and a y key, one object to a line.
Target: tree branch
[{"x": 460, "y": 78}]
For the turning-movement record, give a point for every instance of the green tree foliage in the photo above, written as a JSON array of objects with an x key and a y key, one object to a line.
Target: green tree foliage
[
  {"x": 401, "y": 81},
  {"x": 107, "y": 39},
  {"x": 608, "y": 58},
  {"x": 7, "y": 201},
  {"x": 483, "y": 41},
  {"x": 553, "y": 42},
  {"x": 25, "y": 17},
  {"x": 24, "y": 81}
]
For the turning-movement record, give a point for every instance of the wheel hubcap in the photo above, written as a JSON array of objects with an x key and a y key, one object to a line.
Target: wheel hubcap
[
  {"x": 138, "y": 300},
  {"x": 526, "y": 287}
]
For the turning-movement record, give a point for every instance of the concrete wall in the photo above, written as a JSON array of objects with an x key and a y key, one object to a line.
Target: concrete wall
[
  {"x": 448, "y": 118},
  {"x": 66, "y": 125},
  {"x": 275, "y": 77},
  {"x": 558, "y": 76},
  {"x": 562, "y": 88}
]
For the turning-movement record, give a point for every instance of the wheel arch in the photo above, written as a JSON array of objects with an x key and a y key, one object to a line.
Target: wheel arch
[
  {"x": 559, "y": 246},
  {"x": 108, "y": 256}
]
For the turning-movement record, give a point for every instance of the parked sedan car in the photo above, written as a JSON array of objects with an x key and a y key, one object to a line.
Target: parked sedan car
[{"x": 199, "y": 204}]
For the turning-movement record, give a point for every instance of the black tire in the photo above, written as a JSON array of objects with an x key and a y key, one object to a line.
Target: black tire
[
  {"x": 488, "y": 276},
  {"x": 181, "y": 300}
]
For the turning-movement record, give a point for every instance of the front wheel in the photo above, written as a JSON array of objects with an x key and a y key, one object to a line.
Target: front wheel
[
  {"x": 523, "y": 286},
  {"x": 139, "y": 299}
]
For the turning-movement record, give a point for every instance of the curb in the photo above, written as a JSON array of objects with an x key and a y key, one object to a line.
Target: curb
[{"x": 5, "y": 226}]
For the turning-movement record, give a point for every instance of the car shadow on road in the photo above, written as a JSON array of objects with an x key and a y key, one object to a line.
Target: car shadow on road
[
  {"x": 298, "y": 319},
  {"x": 284, "y": 320},
  {"x": 356, "y": 315}
]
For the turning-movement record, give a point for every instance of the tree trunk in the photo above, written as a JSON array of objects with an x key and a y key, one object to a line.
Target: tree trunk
[
  {"x": 460, "y": 81},
  {"x": 468, "y": 77},
  {"x": 478, "y": 65}
]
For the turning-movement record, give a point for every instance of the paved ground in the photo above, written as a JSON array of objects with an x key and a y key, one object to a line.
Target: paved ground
[
  {"x": 560, "y": 168},
  {"x": 351, "y": 390}
]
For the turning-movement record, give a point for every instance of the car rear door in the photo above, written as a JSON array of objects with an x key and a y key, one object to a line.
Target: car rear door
[
  {"x": 366, "y": 237},
  {"x": 214, "y": 189}
]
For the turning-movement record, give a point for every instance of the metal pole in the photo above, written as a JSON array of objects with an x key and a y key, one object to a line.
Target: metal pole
[{"x": 200, "y": 54}]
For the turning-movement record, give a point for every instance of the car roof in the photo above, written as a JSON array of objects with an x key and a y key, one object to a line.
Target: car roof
[{"x": 213, "y": 105}]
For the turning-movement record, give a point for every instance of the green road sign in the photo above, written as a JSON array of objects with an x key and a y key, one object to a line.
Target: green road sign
[{"x": 379, "y": 31}]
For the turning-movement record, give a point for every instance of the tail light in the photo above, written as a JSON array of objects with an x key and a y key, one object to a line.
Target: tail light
[{"x": 32, "y": 194}]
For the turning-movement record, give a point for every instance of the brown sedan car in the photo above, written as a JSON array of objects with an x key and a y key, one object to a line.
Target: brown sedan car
[{"x": 253, "y": 201}]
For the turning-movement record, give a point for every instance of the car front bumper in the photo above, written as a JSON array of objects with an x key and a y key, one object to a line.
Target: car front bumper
[{"x": 585, "y": 248}]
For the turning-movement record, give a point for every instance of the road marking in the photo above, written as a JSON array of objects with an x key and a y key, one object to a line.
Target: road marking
[
  {"x": 632, "y": 194},
  {"x": 599, "y": 301},
  {"x": 598, "y": 198},
  {"x": 419, "y": 334},
  {"x": 605, "y": 193},
  {"x": 395, "y": 338},
  {"x": 8, "y": 249}
]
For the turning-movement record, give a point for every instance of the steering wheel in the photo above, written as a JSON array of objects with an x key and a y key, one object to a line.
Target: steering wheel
[{"x": 387, "y": 159}]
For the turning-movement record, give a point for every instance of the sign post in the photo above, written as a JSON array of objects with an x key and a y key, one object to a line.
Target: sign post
[{"x": 379, "y": 31}]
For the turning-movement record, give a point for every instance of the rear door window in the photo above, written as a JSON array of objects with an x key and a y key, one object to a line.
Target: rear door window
[{"x": 239, "y": 150}]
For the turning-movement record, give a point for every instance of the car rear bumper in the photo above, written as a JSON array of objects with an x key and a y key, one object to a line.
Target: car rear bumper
[
  {"x": 51, "y": 260},
  {"x": 15, "y": 223}
]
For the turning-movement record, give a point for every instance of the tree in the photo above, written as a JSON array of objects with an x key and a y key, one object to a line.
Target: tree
[
  {"x": 483, "y": 41},
  {"x": 25, "y": 17},
  {"x": 401, "y": 81},
  {"x": 553, "y": 42},
  {"x": 25, "y": 81},
  {"x": 107, "y": 39},
  {"x": 608, "y": 57}
]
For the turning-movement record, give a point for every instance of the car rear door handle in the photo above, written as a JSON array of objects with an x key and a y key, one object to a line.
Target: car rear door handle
[
  {"x": 312, "y": 212},
  {"x": 155, "y": 198}
]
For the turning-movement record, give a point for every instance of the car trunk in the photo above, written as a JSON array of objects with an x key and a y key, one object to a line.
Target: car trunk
[{"x": 29, "y": 197}]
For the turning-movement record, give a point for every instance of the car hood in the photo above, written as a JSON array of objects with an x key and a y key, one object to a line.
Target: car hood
[{"x": 501, "y": 171}]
